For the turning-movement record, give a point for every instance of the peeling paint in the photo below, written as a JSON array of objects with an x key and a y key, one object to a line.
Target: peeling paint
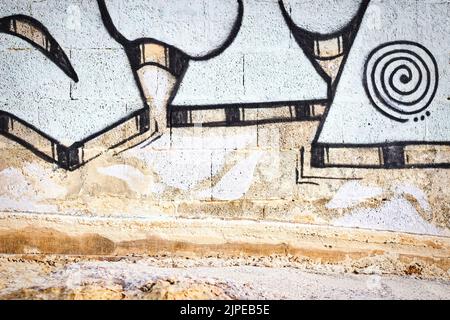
[
  {"x": 395, "y": 215},
  {"x": 351, "y": 194}
]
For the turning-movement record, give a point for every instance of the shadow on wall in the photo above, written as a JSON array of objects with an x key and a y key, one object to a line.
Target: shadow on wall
[{"x": 72, "y": 94}]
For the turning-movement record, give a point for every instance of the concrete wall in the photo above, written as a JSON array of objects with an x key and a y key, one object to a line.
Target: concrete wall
[{"x": 333, "y": 114}]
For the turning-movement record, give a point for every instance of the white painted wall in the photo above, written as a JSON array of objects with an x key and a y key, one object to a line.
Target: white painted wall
[{"x": 353, "y": 119}]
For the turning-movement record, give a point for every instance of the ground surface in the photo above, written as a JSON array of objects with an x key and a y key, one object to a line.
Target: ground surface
[{"x": 62, "y": 277}]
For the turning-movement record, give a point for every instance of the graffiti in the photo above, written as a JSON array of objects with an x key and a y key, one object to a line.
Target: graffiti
[
  {"x": 401, "y": 80},
  {"x": 62, "y": 103},
  {"x": 149, "y": 54},
  {"x": 37, "y": 35},
  {"x": 275, "y": 74},
  {"x": 106, "y": 74},
  {"x": 327, "y": 31},
  {"x": 391, "y": 95}
]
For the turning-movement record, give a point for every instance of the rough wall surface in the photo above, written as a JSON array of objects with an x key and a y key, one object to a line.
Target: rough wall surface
[{"x": 143, "y": 114}]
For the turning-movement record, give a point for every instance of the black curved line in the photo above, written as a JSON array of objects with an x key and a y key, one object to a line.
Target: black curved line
[
  {"x": 383, "y": 84},
  {"x": 403, "y": 103},
  {"x": 120, "y": 38},
  {"x": 304, "y": 37},
  {"x": 392, "y": 43},
  {"x": 56, "y": 54},
  {"x": 410, "y": 78},
  {"x": 231, "y": 37},
  {"x": 324, "y": 36},
  {"x": 310, "y": 56},
  {"x": 160, "y": 66},
  {"x": 109, "y": 24}
]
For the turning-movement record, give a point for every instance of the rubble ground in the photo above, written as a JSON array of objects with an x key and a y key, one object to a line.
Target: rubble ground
[{"x": 169, "y": 278}]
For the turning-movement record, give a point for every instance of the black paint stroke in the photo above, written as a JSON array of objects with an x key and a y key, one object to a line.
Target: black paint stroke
[
  {"x": 69, "y": 157},
  {"x": 234, "y": 115},
  {"x": 302, "y": 178},
  {"x": 306, "y": 39},
  {"x": 301, "y": 105},
  {"x": 391, "y": 154},
  {"x": 377, "y": 90},
  {"x": 127, "y": 43},
  {"x": 53, "y": 50}
]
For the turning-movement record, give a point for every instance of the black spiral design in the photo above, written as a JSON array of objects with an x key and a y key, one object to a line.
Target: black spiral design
[{"x": 401, "y": 79}]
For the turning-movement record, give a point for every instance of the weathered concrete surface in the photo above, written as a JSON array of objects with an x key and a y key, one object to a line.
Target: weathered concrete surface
[
  {"x": 350, "y": 249},
  {"x": 47, "y": 277},
  {"x": 242, "y": 193}
]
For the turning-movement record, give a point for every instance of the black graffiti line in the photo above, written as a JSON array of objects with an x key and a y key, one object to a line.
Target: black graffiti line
[
  {"x": 354, "y": 30},
  {"x": 401, "y": 51},
  {"x": 119, "y": 37},
  {"x": 306, "y": 39},
  {"x": 409, "y": 78},
  {"x": 385, "y": 89},
  {"x": 252, "y": 105},
  {"x": 389, "y": 159},
  {"x": 294, "y": 30},
  {"x": 301, "y": 175},
  {"x": 56, "y": 54}
]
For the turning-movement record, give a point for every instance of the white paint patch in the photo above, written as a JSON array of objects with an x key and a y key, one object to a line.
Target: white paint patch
[
  {"x": 351, "y": 194},
  {"x": 196, "y": 27},
  {"x": 135, "y": 179},
  {"x": 396, "y": 215},
  {"x": 236, "y": 182},
  {"x": 46, "y": 187},
  {"x": 260, "y": 65},
  {"x": 417, "y": 193},
  {"x": 181, "y": 169},
  {"x": 18, "y": 193},
  {"x": 191, "y": 162},
  {"x": 25, "y": 205}
]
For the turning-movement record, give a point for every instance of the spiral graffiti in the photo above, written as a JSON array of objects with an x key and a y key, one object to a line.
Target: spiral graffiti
[{"x": 401, "y": 79}]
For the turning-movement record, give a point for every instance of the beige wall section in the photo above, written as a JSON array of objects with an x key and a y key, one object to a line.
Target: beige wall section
[{"x": 228, "y": 190}]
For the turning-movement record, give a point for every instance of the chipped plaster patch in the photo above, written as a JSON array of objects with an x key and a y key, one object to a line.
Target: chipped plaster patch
[
  {"x": 351, "y": 194},
  {"x": 20, "y": 194},
  {"x": 43, "y": 181},
  {"x": 187, "y": 167}
]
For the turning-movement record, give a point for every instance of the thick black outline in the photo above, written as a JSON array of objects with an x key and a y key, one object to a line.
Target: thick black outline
[
  {"x": 120, "y": 38},
  {"x": 306, "y": 39},
  {"x": 56, "y": 54},
  {"x": 392, "y": 154},
  {"x": 180, "y": 116},
  {"x": 302, "y": 178},
  {"x": 67, "y": 157},
  {"x": 229, "y": 107}
]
